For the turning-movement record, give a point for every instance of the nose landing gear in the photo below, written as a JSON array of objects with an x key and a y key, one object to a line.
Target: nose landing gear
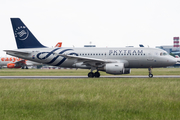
[
  {"x": 150, "y": 75},
  {"x": 150, "y": 72}
]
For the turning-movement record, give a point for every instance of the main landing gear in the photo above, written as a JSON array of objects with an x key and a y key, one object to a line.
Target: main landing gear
[
  {"x": 96, "y": 74},
  {"x": 24, "y": 67},
  {"x": 150, "y": 72}
]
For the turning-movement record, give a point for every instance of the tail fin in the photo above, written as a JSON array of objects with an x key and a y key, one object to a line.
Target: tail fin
[
  {"x": 59, "y": 44},
  {"x": 24, "y": 37}
]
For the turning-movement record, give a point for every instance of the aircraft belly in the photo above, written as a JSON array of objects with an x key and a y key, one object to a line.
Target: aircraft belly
[
  {"x": 68, "y": 63},
  {"x": 143, "y": 63},
  {"x": 133, "y": 63}
]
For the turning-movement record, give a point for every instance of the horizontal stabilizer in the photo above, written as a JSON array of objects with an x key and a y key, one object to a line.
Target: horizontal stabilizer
[{"x": 17, "y": 52}]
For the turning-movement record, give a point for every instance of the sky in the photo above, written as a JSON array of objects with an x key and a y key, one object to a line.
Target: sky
[{"x": 104, "y": 23}]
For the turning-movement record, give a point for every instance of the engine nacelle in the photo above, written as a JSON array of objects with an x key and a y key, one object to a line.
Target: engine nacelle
[
  {"x": 127, "y": 71},
  {"x": 12, "y": 65},
  {"x": 114, "y": 68}
]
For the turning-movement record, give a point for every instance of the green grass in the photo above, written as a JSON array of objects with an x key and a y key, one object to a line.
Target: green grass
[
  {"x": 79, "y": 72},
  {"x": 90, "y": 99}
]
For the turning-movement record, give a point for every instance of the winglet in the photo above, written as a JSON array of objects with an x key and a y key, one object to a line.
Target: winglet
[{"x": 24, "y": 37}]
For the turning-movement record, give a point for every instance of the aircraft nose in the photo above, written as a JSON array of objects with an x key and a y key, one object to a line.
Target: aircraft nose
[{"x": 172, "y": 61}]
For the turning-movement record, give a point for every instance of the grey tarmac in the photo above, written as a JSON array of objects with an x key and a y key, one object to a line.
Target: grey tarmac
[{"x": 75, "y": 77}]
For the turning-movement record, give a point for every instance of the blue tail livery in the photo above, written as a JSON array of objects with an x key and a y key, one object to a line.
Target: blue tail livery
[{"x": 24, "y": 37}]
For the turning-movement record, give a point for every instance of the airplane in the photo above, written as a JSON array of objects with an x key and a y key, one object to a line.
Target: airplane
[
  {"x": 177, "y": 58},
  {"x": 110, "y": 60},
  {"x": 59, "y": 44},
  {"x": 14, "y": 62}
]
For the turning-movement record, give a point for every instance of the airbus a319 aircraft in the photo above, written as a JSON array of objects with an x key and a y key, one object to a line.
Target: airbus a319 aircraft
[{"x": 111, "y": 60}]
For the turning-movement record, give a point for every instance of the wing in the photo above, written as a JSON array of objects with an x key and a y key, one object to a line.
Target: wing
[
  {"x": 21, "y": 62},
  {"x": 90, "y": 61}
]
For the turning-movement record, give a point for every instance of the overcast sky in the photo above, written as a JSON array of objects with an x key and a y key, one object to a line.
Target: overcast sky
[{"x": 105, "y": 23}]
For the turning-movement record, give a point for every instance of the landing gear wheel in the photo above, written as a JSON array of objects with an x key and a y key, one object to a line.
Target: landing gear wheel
[
  {"x": 26, "y": 67},
  {"x": 150, "y": 72},
  {"x": 97, "y": 74},
  {"x": 150, "y": 75},
  {"x": 22, "y": 67},
  {"x": 90, "y": 74}
]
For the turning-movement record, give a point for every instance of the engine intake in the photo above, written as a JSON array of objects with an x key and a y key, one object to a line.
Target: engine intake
[
  {"x": 114, "y": 68},
  {"x": 12, "y": 65}
]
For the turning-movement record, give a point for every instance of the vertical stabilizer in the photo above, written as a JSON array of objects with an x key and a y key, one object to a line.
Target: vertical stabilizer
[
  {"x": 59, "y": 44},
  {"x": 24, "y": 37}
]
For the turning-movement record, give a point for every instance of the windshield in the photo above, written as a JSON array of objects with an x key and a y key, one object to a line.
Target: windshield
[{"x": 163, "y": 53}]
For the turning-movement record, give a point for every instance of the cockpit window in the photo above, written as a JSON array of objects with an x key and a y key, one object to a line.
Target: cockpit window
[{"x": 163, "y": 53}]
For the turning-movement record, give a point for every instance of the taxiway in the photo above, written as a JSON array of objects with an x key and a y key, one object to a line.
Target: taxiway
[{"x": 75, "y": 77}]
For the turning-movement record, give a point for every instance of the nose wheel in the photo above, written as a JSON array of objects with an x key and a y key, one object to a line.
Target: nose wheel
[
  {"x": 150, "y": 75},
  {"x": 96, "y": 74}
]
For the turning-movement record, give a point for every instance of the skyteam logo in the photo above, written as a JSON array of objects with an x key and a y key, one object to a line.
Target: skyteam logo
[
  {"x": 21, "y": 33},
  {"x": 46, "y": 55}
]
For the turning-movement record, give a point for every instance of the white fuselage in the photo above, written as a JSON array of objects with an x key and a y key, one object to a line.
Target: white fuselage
[{"x": 131, "y": 57}]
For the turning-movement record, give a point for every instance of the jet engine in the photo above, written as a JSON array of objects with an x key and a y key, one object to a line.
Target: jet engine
[
  {"x": 12, "y": 65},
  {"x": 114, "y": 68}
]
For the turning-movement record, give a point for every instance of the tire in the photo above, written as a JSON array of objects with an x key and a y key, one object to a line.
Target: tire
[
  {"x": 97, "y": 74},
  {"x": 90, "y": 74},
  {"x": 150, "y": 75}
]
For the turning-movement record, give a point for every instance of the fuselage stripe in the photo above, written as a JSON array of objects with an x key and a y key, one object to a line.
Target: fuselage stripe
[{"x": 55, "y": 58}]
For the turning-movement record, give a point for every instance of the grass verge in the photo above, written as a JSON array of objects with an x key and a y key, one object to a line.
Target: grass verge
[{"x": 87, "y": 99}]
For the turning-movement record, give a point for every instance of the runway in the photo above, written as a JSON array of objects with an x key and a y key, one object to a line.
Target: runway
[{"x": 75, "y": 77}]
